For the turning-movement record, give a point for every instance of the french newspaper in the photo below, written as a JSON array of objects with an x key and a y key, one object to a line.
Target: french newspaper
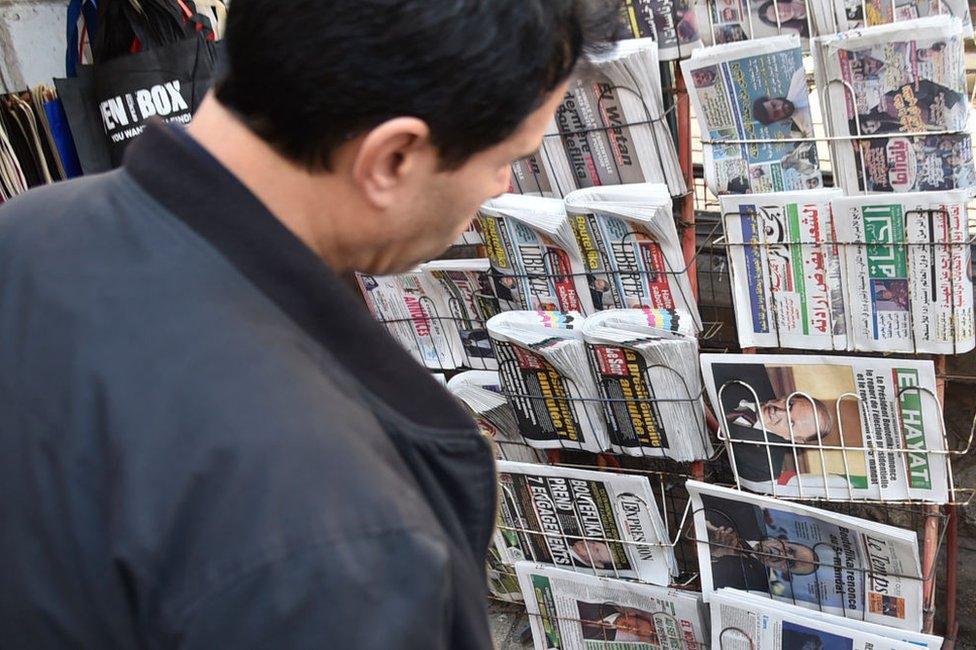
[{"x": 808, "y": 557}]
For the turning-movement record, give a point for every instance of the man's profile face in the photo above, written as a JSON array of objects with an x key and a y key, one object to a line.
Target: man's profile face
[
  {"x": 784, "y": 556},
  {"x": 802, "y": 412},
  {"x": 778, "y": 108},
  {"x": 594, "y": 553}
]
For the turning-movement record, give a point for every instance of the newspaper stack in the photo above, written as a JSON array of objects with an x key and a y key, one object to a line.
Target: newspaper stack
[
  {"x": 728, "y": 21},
  {"x": 481, "y": 392},
  {"x": 610, "y": 130},
  {"x": 909, "y": 285},
  {"x": 672, "y": 23},
  {"x": 744, "y": 621},
  {"x": 543, "y": 368},
  {"x": 746, "y": 95},
  {"x": 648, "y": 377},
  {"x": 831, "y": 16},
  {"x": 787, "y": 421},
  {"x": 902, "y": 85},
  {"x": 813, "y": 558},
  {"x": 576, "y": 611},
  {"x": 592, "y": 522},
  {"x": 535, "y": 262},
  {"x": 630, "y": 248},
  {"x": 787, "y": 271}
]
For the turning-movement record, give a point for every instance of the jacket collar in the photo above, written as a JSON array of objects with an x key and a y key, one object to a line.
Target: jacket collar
[{"x": 191, "y": 184}]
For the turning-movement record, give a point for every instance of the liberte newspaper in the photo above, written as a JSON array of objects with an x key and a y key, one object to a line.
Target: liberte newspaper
[
  {"x": 747, "y": 95},
  {"x": 814, "y": 427},
  {"x": 569, "y": 610},
  {"x": 597, "y": 522},
  {"x": 742, "y": 622},
  {"x": 903, "y": 85},
  {"x": 812, "y": 558},
  {"x": 787, "y": 271},
  {"x": 909, "y": 287},
  {"x": 739, "y": 616}
]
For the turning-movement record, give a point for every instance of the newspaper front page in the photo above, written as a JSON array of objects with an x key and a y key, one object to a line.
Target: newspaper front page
[
  {"x": 672, "y": 23},
  {"x": 808, "y": 557},
  {"x": 597, "y": 522},
  {"x": 575, "y": 611},
  {"x": 819, "y": 427}
]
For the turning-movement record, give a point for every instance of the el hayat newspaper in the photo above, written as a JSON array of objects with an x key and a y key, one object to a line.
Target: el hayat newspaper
[
  {"x": 840, "y": 427},
  {"x": 812, "y": 558},
  {"x": 595, "y": 522},
  {"x": 569, "y": 610}
]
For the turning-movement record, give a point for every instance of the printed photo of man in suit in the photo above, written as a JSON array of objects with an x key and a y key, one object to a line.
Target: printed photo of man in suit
[{"x": 610, "y": 622}]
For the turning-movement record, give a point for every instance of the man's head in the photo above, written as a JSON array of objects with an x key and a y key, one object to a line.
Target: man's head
[
  {"x": 593, "y": 553},
  {"x": 413, "y": 110},
  {"x": 788, "y": 557},
  {"x": 810, "y": 418},
  {"x": 703, "y": 77},
  {"x": 767, "y": 110},
  {"x": 929, "y": 53},
  {"x": 634, "y": 625},
  {"x": 787, "y": 10}
]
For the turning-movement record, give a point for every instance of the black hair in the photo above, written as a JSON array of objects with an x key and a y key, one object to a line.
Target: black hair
[
  {"x": 761, "y": 113},
  {"x": 798, "y": 25},
  {"x": 307, "y": 75}
]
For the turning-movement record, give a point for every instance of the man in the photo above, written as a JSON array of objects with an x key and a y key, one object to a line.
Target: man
[
  {"x": 592, "y": 553},
  {"x": 610, "y": 622},
  {"x": 206, "y": 440},
  {"x": 786, "y": 16},
  {"x": 795, "y": 107}
]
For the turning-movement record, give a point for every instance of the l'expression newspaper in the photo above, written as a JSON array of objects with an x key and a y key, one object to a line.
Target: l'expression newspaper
[
  {"x": 741, "y": 623},
  {"x": 597, "y": 522},
  {"x": 775, "y": 625},
  {"x": 787, "y": 285},
  {"x": 535, "y": 263},
  {"x": 569, "y": 610},
  {"x": 908, "y": 80},
  {"x": 909, "y": 288},
  {"x": 672, "y": 23},
  {"x": 744, "y": 95},
  {"x": 812, "y": 558},
  {"x": 779, "y": 412}
]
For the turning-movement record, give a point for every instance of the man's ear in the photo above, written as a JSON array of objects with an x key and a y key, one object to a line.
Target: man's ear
[{"x": 388, "y": 155}]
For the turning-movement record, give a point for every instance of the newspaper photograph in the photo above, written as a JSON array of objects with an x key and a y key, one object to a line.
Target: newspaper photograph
[
  {"x": 746, "y": 95},
  {"x": 728, "y": 21},
  {"x": 672, "y": 23},
  {"x": 805, "y": 556},
  {"x": 740, "y": 624},
  {"x": 464, "y": 303},
  {"x": 816, "y": 427},
  {"x": 906, "y": 79},
  {"x": 569, "y": 610},
  {"x": 738, "y": 606},
  {"x": 909, "y": 286},
  {"x": 787, "y": 274},
  {"x": 852, "y": 14},
  {"x": 595, "y": 522}
]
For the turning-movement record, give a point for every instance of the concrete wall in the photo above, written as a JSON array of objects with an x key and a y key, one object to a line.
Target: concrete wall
[{"x": 32, "y": 42}]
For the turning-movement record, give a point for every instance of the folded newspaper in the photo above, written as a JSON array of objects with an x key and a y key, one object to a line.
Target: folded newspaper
[
  {"x": 813, "y": 558},
  {"x": 598, "y": 522},
  {"x": 543, "y": 368},
  {"x": 903, "y": 87},
  {"x": 728, "y": 21},
  {"x": 649, "y": 382},
  {"x": 481, "y": 392},
  {"x": 909, "y": 288},
  {"x": 630, "y": 246},
  {"x": 535, "y": 262},
  {"x": 787, "y": 272},
  {"x": 610, "y": 128},
  {"x": 848, "y": 428},
  {"x": 744, "y": 621},
  {"x": 534, "y": 176},
  {"x": 672, "y": 23},
  {"x": 832, "y": 16},
  {"x": 569, "y": 610},
  {"x": 747, "y": 96}
]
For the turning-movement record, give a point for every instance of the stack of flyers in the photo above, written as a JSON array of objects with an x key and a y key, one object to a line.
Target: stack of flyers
[
  {"x": 630, "y": 248},
  {"x": 832, "y": 16},
  {"x": 543, "y": 368},
  {"x": 603, "y": 523},
  {"x": 672, "y": 23},
  {"x": 744, "y": 621},
  {"x": 787, "y": 284},
  {"x": 815, "y": 559},
  {"x": 648, "y": 377},
  {"x": 747, "y": 97},
  {"x": 903, "y": 87},
  {"x": 569, "y": 610},
  {"x": 610, "y": 128},
  {"x": 481, "y": 392},
  {"x": 728, "y": 21},
  {"x": 844, "y": 428},
  {"x": 535, "y": 262},
  {"x": 909, "y": 288}
]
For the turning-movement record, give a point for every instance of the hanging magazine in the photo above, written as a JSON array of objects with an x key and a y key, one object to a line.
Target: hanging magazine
[
  {"x": 816, "y": 559},
  {"x": 747, "y": 96},
  {"x": 597, "y": 522},
  {"x": 784, "y": 418}
]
